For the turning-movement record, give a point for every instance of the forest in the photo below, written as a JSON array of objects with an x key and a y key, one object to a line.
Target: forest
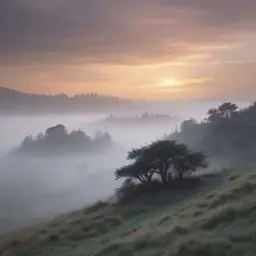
[{"x": 226, "y": 134}]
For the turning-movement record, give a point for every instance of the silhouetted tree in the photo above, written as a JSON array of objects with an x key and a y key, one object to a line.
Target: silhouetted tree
[
  {"x": 139, "y": 170},
  {"x": 79, "y": 138},
  {"x": 27, "y": 143},
  {"x": 227, "y": 110},
  {"x": 188, "y": 162},
  {"x": 166, "y": 159},
  {"x": 223, "y": 112},
  {"x": 56, "y": 134}
]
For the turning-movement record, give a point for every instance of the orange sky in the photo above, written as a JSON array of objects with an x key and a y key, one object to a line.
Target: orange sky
[{"x": 166, "y": 49}]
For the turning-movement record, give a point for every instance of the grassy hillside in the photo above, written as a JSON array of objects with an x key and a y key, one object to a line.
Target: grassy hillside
[{"x": 216, "y": 216}]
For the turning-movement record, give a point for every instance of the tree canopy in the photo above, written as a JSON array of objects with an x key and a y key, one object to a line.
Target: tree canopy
[
  {"x": 162, "y": 160},
  {"x": 226, "y": 135},
  {"x": 224, "y": 112}
]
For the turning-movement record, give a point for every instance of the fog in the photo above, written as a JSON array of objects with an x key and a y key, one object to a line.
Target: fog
[
  {"x": 33, "y": 189},
  {"x": 36, "y": 188}
]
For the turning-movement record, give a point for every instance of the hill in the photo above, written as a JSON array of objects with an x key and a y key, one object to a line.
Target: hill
[
  {"x": 214, "y": 217},
  {"x": 16, "y": 102},
  {"x": 226, "y": 134}
]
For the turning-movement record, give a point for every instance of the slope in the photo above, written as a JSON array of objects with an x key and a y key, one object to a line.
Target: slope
[{"x": 216, "y": 216}]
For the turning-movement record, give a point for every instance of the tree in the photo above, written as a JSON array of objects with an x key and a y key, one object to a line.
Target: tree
[
  {"x": 102, "y": 140},
  {"x": 79, "y": 138},
  {"x": 56, "y": 134},
  {"x": 138, "y": 170},
  {"x": 227, "y": 110},
  {"x": 168, "y": 160},
  {"x": 136, "y": 153},
  {"x": 213, "y": 115},
  {"x": 224, "y": 112},
  {"x": 189, "y": 162},
  {"x": 27, "y": 143},
  {"x": 161, "y": 155}
]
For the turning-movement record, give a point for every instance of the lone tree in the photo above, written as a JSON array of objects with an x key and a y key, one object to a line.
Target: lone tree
[{"x": 165, "y": 160}]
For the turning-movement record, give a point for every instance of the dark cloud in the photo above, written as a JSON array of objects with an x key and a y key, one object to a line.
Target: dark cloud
[
  {"x": 118, "y": 31},
  {"x": 219, "y": 12}
]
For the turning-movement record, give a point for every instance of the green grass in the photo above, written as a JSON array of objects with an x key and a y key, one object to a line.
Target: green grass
[{"x": 217, "y": 217}]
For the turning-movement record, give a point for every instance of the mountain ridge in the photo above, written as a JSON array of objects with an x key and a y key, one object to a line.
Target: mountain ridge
[{"x": 14, "y": 101}]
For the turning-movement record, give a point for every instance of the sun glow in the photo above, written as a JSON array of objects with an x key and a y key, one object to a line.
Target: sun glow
[{"x": 170, "y": 82}]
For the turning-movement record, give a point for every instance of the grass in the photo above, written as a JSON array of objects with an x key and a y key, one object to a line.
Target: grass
[{"x": 216, "y": 217}]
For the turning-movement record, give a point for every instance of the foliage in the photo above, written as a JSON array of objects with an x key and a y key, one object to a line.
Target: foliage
[
  {"x": 57, "y": 140},
  {"x": 224, "y": 112},
  {"x": 165, "y": 161},
  {"x": 226, "y": 135}
]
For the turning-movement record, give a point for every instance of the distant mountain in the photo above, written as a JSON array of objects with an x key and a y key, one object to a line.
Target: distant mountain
[{"x": 16, "y": 102}]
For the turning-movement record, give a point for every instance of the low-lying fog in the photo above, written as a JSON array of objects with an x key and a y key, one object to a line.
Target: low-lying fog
[{"x": 36, "y": 188}]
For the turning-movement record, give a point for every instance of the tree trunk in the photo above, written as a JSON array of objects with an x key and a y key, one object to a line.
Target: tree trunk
[
  {"x": 164, "y": 179},
  {"x": 180, "y": 174}
]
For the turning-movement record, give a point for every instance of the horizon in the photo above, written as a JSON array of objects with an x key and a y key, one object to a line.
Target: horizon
[
  {"x": 86, "y": 94},
  {"x": 142, "y": 50}
]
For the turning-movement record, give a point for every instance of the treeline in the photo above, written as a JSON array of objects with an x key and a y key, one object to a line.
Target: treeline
[
  {"x": 13, "y": 101},
  {"x": 160, "y": 165},
  {"x": 144, "y": 118},
  {"x": 57, "y": 140},
  {"x": 227, "y": 133}
]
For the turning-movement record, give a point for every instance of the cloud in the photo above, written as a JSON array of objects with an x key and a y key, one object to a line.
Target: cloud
[
  {"x": 119, "y": 31},
  {"x": 126, "y": 47}
]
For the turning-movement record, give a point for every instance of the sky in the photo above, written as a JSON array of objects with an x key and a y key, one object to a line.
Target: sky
[{"x": 145, "y": 49}]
